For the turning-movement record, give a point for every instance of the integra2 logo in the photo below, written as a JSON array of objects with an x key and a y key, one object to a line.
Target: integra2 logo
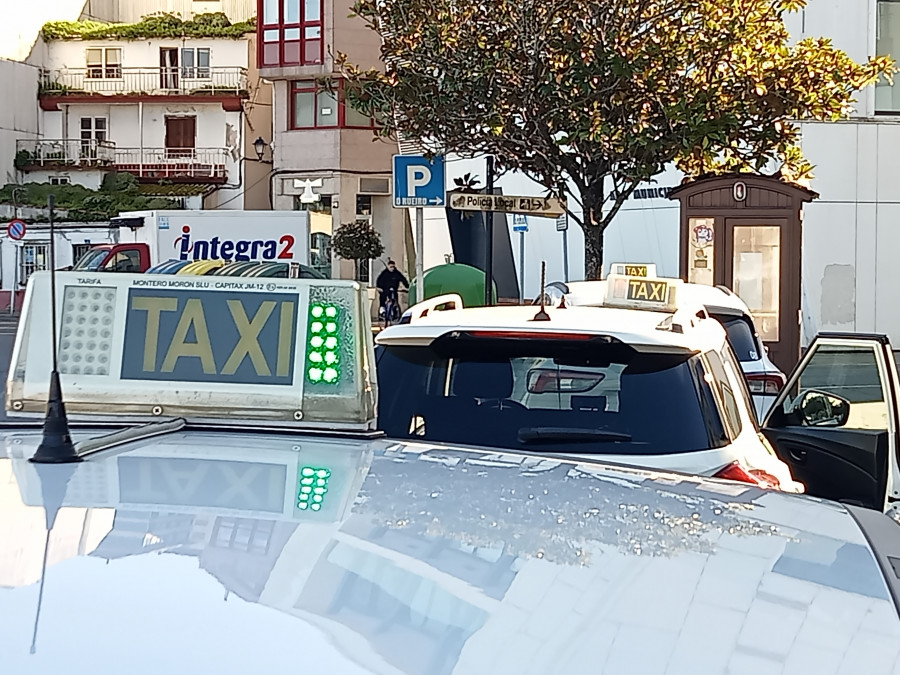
[{"x": 219, "y": 248}]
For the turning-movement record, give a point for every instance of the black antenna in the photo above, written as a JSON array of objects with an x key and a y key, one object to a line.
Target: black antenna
[
  {"x": 56, "y": 445},
  {"x": 542, "y": 314}
]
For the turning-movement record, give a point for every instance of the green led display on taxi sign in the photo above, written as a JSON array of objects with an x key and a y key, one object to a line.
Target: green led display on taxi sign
[
  {"x": 323, "y": 361},
  {"x": 313, "y": 487}
]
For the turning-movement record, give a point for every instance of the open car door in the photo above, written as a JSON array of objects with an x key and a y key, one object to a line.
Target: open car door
[{"x": 836, "y": 423}]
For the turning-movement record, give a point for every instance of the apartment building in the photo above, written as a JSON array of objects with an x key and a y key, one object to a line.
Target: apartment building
[{"x": 322, "y": 151}]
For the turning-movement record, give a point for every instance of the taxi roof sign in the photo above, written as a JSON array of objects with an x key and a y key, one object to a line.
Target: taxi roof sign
[
  {"x": 632, "y": 292},
  {"x": 633, "y": 269},
  {"x": 284, "y": 352}
]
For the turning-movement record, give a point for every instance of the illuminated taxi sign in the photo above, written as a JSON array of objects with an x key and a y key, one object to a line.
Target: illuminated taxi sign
[
  {"x": 230, "y": 350},
  {"x": 642, "y": 293},
  {"x": 632, "y": 269}
]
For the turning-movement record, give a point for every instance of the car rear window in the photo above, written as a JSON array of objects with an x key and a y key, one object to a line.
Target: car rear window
[
  {"x": 531, "y": 396},
  {"x": 741, "y": 337}
]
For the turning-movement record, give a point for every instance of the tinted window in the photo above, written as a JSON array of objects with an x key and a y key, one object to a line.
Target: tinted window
[
  {"x": 741, "y": 338},
  {"x": 725, "y": 392},
  {"x": 530, "y": 397}
]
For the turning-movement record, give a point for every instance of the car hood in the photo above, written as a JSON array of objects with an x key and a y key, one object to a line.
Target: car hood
[{"x": 188, "y": 553}]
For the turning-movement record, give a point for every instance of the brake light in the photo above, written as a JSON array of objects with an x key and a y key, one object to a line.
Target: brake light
[
  {"x": 758, "y": 477},
  {"x": 766, "y": 383},
  {"x": 530, "y": 335}
]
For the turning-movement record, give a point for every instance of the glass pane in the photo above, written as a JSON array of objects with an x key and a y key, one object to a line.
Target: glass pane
[
  {"x": 312, "y": 10},
  {"x": 887, "y": 96},
  {"x": 701, "y": 250},
  {"x": 304, "y": 109},
  {"x": 187, "y": 58},
  {"x": 203, "y": 58},
  {"x": 113, "y": 57},
  {"x": 86, "y": 123},
  {"x": 757, "y": 275},
  {"x": 94, "y": 57},
  {"x": 292, "y": 11},
  {"x": 270, "y": 12},
  {"x": 100, "y": 123},
  {"x": 270, "y": 36},
  {"x": 291, "y": 33},
  {"x": 849, "y": 372},
  {"x": 354, "y": 118},
  {"x": 328, "y": 116},
  {"x": 311, "y": 32},
  {"x": 312, "y": 51}
]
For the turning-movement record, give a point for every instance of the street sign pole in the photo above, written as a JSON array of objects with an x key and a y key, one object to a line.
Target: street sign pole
[
  {"x": 420, "y": 255},
  {"x": 522, "y": 264},
  {"x": 489, "y": 243},
  {"x": 566, "y": 255}
]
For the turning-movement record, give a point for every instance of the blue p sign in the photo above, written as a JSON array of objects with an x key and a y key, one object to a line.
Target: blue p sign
[{"x": 418, "y": 181}]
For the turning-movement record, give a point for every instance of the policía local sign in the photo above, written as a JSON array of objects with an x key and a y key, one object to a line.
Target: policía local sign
[{"x": 546, "y": 207}]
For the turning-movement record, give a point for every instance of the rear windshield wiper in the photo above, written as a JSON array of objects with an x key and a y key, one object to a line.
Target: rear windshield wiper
[{"x": 569, "y": 435}]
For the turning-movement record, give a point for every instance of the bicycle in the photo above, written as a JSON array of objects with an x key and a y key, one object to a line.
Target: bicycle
[{"x": 391, "y": 312}]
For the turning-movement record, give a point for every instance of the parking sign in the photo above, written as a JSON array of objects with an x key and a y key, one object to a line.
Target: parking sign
[{"x": 418, "y": 181}]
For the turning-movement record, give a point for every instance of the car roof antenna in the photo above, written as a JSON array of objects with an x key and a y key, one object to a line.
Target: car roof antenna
[
  {"x": 56, "y": 445},
  {"x": 542, "y": 313}
]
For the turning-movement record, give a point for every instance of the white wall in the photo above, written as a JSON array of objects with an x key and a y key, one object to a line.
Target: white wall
[
  {"x": 18, "y": 113},
  {"x": 224, "y": 53}
]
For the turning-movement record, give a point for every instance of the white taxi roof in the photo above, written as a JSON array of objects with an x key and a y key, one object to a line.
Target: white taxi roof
[
  {"x": 588, "y": 293},
  {"x": 631, "y": 326}
]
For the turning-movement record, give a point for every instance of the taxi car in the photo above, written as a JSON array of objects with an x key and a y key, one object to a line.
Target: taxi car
[
  {"x": 647, "y": 379},
  {"x": 764, "y": 380},
  {"x": 217, "y": 515}
]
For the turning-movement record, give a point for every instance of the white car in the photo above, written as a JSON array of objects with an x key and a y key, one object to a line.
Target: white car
[
  {"x": 764, "y": 379},
  {"x": 644, "y": 380}
]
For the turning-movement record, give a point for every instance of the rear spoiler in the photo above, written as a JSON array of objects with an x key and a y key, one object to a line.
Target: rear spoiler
[{"x": 439, "y": 303}]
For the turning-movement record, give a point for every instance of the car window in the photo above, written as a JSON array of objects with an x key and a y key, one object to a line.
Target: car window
[
  {"x": 91, "y": 260},
  {"x": 640, "y": 403},
  {"x": 741, "y": 337},
  {"x": 851, "y": 372},
  {"x": 734, "y": 369},
  {"x": 726, "y": 395}
]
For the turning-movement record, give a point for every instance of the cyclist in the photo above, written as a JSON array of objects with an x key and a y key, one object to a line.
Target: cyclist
[{"x": 388, "y": 282}]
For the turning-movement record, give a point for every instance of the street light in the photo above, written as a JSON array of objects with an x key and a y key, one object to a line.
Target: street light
[{"x": 260, "y": 146}]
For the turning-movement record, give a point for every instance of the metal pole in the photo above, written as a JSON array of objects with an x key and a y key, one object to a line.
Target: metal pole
[
  {"x": 420, "y": 255},
  {"x": 489, "y": 241},
  {"x": 522, "y": 265},
  {"x": 566, "y": 255}
]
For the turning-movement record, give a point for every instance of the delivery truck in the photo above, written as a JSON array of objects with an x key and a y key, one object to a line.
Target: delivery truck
[{"x": 144, "y": 239}]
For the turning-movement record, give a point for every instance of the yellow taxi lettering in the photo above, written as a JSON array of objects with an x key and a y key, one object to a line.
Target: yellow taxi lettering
[
  {"x": 285, "y": 328},
  {"x": 192, "y": 315},
  {"x": 154, "y": 307},
  {"x": 657, "y": 290},
  {"x": 248, "y": 344},
  {"x": 638, "y": 290},
  {"x": 636, "y": 270}
]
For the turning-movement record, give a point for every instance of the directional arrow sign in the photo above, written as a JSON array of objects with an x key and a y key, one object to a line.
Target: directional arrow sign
[{"x": 534, "y": 206}]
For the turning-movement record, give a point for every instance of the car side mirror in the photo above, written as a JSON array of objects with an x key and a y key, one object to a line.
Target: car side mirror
[{"x": 817, "y": 408}]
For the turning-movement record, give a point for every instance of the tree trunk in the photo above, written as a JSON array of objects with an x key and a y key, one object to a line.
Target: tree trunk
[{"x": 593, "y": 251}]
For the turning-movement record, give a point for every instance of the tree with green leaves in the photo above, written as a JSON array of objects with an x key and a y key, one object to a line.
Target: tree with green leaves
[
  {"x": 590, "y": 98},
  {"x": 357, "y": 241}
]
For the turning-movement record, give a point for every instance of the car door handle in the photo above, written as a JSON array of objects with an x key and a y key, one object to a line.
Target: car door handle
[{"x": 798, "y": 455}]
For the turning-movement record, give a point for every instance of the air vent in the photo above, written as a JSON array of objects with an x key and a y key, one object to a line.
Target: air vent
[{"x": 374, "y": 186}]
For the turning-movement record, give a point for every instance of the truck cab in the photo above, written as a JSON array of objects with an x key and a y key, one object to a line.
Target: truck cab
[{"x": 133, "y": 258}]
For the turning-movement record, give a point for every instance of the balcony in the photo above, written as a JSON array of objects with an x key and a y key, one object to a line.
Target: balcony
[
  {"x": 35, "y": 155},
  {"x": 149, "y": 165},
  {"x": 84, "y": 85},
  {"x": 179, "y": 165}
]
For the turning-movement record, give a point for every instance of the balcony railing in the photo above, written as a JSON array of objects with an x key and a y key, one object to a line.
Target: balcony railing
[
  {"x": 31, "y": 154},
  {"x": 177, "y": 164},
  {"x": 201, "y": 164},
  {"x": 119, "y": 81}
]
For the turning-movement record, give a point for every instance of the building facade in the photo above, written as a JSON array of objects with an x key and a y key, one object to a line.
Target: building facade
[{"x": 322, "y": 151}]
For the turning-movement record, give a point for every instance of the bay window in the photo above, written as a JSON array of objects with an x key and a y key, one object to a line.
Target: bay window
[
  {"x": 290, "y": 32},
  {"x": 314, "y": 107}
]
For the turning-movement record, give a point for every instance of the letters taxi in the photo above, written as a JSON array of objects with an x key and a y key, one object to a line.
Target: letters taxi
[
  {"x": 228, "y": 507},
  {"x": 644, "y": 380}
]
